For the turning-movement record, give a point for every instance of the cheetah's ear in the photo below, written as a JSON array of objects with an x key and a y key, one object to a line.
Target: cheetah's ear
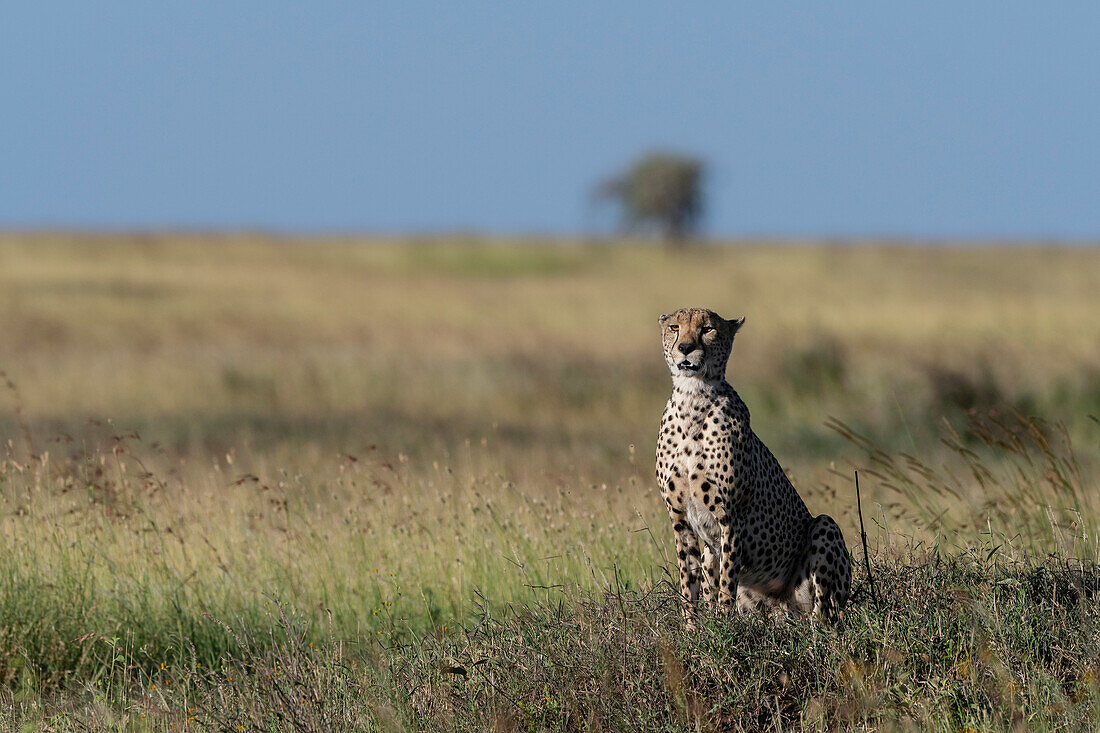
[
  {"x": 735, "y": 324},
  {"x": 664, "y": 318}
]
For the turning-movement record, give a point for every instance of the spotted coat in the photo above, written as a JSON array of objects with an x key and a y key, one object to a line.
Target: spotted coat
[{"x": 740, "y": 527}]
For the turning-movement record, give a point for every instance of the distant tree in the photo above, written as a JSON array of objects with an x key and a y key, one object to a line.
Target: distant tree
[{"x": 661, "y": 189}]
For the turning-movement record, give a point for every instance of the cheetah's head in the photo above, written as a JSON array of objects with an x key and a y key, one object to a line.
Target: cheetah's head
[{"x": 697, "y": 343}]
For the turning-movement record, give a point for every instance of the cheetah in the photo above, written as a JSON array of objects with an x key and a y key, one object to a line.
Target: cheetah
[{"x": 737, "y": 520}]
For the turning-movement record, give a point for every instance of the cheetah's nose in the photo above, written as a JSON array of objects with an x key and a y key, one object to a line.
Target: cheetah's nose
[{"x": 686, "y": 348}]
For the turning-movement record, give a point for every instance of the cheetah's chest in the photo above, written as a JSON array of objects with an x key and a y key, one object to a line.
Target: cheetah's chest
[
  {"x": 693, "y": 455},
  {"x": 697, "y": 441}
]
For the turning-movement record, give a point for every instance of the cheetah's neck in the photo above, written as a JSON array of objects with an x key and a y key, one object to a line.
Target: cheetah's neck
[
  {"x": 694, "y": 398},
  {"x": 696, "y": 386}
]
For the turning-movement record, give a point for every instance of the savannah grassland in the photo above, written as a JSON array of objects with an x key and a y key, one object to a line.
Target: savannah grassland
[{"x": 253, "y": 483}]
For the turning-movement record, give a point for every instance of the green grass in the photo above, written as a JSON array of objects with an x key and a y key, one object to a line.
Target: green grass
[
  {"x": 414, "y": 480},
  {"x": 959, "y": 642}
]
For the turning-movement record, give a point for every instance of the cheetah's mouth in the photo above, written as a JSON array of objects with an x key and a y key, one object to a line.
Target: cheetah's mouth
[{"x": 687, "y": 366}]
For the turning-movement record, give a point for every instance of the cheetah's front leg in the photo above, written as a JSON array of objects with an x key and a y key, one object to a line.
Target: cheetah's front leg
[
  {"x": 687, "y": 557},
  {"x": 710, "y": 574},
  {"x": 730, "y": 569}
]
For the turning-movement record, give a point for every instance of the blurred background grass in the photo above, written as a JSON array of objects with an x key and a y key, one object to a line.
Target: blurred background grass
[{"x": 203, "y": 343}]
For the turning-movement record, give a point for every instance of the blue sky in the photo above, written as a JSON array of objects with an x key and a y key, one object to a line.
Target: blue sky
[{"x": 862, "y": 118}]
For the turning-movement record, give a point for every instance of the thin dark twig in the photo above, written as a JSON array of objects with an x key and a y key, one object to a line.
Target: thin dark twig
[{"x": 863, "y": 538}]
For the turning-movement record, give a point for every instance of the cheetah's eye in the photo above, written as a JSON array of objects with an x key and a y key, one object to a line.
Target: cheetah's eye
[
  {"x": 707, "y": 329},
  {"x": 674, "y": 328}
]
